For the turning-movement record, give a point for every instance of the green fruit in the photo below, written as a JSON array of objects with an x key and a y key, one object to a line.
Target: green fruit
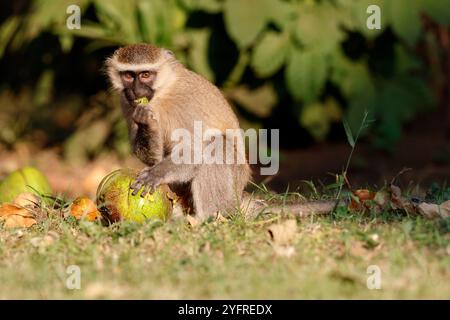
[
  {"x": 116, "y": 201},
  {"x": 27, "y": 179},
  {"x": 142, "y": 100}
]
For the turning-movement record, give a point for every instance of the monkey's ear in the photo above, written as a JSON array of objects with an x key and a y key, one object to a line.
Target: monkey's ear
[{"x": 168, "y": 53}]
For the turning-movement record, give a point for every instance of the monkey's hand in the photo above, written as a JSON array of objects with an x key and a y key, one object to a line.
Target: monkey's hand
[
  {"x": 149, "y": 178},
  {"x": 144, "y": 114}
]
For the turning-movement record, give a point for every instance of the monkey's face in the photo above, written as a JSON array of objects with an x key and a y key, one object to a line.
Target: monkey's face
[{"x": 138, "y": 84}]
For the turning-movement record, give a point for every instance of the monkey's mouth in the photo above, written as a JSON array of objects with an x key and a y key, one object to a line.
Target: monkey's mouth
[
  {"x": 142, "y": 100},
  {"x": 133, "y": 99}
]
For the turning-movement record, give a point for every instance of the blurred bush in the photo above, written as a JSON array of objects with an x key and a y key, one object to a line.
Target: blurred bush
[{"x": 298, "y": 63}]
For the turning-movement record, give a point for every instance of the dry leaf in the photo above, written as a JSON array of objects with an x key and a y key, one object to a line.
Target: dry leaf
[
  {"x": 445, "y": 209},
  {"x": 27, "y": 199},
  {"x": 382, "y": 198},
  {"x": 398, "y": 202},
  {"x": 192, "y": 221},
  {"x": 283, "y": 233},
  {"x": 8, "y": 209},
  {"x": 221, "y": 218},
  {"x": 359, "y": 198},
  {"x": 16, "y": 217},
  {"x": 431, "y": 210},
  {"x": 355, "y": 205},
  {"x": 364, "y": 194},
  {"x": 15, "y": 221}
]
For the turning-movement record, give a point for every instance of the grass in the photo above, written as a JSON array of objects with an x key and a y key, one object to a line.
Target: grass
[{"x": 233, "y": 259}]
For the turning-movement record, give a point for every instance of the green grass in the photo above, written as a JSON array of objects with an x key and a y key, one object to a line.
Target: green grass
[{"x": 231, "y": 259}]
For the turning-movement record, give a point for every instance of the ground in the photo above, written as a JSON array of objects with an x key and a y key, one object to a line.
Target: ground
[
  {"x": 322, "y": 257},
  {"x": 237, "y": 258}
]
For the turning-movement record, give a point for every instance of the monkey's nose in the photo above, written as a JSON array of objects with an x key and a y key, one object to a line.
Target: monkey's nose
[{"x": 141, "y": 91}]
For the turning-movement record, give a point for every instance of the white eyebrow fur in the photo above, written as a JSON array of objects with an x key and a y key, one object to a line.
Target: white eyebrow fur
[
  {"x": 115, "y": 67},
  {"x": 134, "y": 67}
]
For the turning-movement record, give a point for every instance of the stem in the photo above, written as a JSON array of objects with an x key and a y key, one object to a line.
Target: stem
[
  {"x": 347, "y": 165},
  {"x": 237, "y": 72}
]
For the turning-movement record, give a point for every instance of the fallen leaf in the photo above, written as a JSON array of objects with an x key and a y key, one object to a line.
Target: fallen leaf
[
  {"x": 8, "y": 209},
  {"x": 382, "y": 198},
  {"x": 445, "y": 209},
  {"x": 355, "y": 205},
  {"x": 283, "y": 233},
  {"x": 396, "y": 196},
  {"x": 359, "y": 197},
  {"x": 27, "y": 199},
  {"x": 398, "y": 202},
  {"x": 192, "y": 221},
  {"x": 221, "y": 218},
  {"x": 364, "y": 194},
  {"x": 16, "y": 217},
  {"x": 15, "y": 221},
  {"x": 431, "y": 210}
]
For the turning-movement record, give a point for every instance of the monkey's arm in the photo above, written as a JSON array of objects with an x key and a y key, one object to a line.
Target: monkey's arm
[
  {"x": 145, "y": 136},
  {"x": 164, "y": 172}
]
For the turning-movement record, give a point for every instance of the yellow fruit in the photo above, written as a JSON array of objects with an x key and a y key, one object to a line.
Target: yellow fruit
[
  {"x": 27, "y": 179},
  {"x": 116, "y": 201}
]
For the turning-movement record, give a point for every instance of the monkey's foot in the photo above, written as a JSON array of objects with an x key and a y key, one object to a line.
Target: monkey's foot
[
  {"x": 148, "y": 180},
  {"x": 144, "y": 114}
]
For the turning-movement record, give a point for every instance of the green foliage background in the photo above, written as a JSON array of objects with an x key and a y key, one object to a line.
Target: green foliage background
[{"x": 299, "y": 64}]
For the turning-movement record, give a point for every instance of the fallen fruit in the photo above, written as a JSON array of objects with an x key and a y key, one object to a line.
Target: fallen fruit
[
  {"x": 116, "y": 201},
  {"x": 83, "y": 207},
  {"x": 27, "y": 179}
]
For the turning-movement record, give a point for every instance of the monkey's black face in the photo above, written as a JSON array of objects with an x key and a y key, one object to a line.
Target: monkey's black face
[{"x": 138, "y": 84}]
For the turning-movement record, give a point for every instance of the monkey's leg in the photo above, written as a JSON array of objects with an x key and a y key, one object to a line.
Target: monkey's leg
[{"x": 214, "y": 189}]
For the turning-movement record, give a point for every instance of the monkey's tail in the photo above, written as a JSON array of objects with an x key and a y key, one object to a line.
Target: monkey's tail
[{"x": 253, "y": 207}]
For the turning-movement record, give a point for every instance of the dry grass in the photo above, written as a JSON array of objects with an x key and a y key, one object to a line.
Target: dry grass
[{"x": 324, "y": 257}]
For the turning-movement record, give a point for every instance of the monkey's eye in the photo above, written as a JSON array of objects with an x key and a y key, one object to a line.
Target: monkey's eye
[
  {"x": 145, "y": 75},
  {"x": 128, "y": 76}
]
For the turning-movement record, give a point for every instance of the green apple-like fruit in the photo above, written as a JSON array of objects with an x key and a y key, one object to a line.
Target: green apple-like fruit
[
  {"x": 27, "y": 179},
  {"x": 116, "y": 201}
]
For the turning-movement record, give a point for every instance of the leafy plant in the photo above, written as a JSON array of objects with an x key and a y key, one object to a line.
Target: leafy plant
[{"x": 311, "y": 51}]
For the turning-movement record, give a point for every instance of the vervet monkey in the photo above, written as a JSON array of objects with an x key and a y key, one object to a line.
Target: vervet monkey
[{"x": 177, "y": 98}]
